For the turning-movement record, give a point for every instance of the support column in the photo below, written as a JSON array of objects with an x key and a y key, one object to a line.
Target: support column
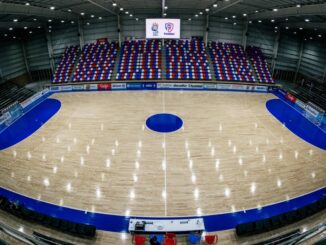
[
  {"x": 324, "y": 75},
  {"x": 275, "y": 51},
  {"x": 50, "y": 50},
  {"x": 81, "y": 33},
  {"x": 299, "y": 61},
  {"x": 163, "y": 5},
  {"x": 245, "y": 34},
  {"x": 119, "y": 29},
  {"x": 207, "y": 30},
  {"x": 25, "y": 59}
]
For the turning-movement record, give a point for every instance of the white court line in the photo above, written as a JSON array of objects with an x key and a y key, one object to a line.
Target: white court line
[{"x": 165, "y": 163}]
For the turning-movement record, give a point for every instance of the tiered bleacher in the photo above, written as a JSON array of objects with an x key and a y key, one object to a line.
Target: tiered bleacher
[
  {"x": 260, "y": 64},
  {"x": 96, "y": 62},
  {"x": 66, "y": 65},
  {"x": 230, "y": 62},
  {"x": 187, "y": 60},
  {"x": 140, "y": 59},
  {"x": 11, "y": 93}
]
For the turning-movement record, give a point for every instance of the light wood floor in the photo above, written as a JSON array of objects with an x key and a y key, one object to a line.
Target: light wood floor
[{"x": 96, "y": 154}]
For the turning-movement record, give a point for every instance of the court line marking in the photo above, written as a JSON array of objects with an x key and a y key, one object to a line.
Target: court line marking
[
  {"x": 178, "y": 217},
  {"x": 166, "y": 165}
]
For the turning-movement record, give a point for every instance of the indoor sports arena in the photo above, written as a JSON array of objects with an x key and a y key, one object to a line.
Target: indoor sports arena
[{"x": 162, "y": 122}]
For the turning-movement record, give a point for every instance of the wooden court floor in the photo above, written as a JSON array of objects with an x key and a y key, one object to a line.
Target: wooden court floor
[{"x": 97, "y": 154}]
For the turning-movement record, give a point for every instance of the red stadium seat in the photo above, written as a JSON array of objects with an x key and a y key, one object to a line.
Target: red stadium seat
[
  {"x": 139, "y": 240},
  {"x": 211, "y": 239}
]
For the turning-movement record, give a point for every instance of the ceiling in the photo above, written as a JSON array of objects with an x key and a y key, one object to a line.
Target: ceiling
[{"x": 36, "y": 13}]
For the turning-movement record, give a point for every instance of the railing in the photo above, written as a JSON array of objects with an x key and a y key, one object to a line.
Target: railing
[{"x": 19, "y": 235}]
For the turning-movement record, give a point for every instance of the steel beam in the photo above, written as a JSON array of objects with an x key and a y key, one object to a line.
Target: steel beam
[
  {"x": 305, "y": 10},
  {"x": 21, "y": 9},
  {"x": 225, "y": 5},
  {"x": 101, "y": 4}
]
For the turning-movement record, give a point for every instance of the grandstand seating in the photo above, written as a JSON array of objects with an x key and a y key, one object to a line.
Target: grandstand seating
[
  {"x": 260, "y": 64},
  {"x": 230, "y": 62},
  {"x": 187, "y": 60},
  {"x": 140, "y": 59},
  {"x": 66, "y": 65},
  {"x": 10, "y": 93},
  {"x": 96, "y": 62}
]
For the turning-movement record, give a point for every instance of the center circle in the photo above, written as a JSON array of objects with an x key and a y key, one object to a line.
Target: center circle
[{"x": 164, "y": 123}]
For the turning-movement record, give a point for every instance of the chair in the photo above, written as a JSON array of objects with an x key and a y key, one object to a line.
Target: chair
[
  {"x": 211, "y": 239},
  {"x": 159, "y": 238},
  {"x": 170, "y": 235},
  {"x": 139, "y": 240},
  {"x": 170, "y": 241},
  {"x": 194, "y": 238}
]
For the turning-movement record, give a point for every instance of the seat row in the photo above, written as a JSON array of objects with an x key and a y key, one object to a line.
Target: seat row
[
  {"x": 264, "y": 225},
  {"x": 186, "y": 59},
  {"x": 260, "y": 64},
  {"x": 19, "y": 210},
  {"x": 66, "y": 65},
  {"x": 230, "y": 62},
  {"x": 140, "y": 59},
  {"x": 96, "y": 62}
]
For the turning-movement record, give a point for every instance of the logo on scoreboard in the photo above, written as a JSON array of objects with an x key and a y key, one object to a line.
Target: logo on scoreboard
[
  {"x": 155, "y": 29},
  {"x": 169, "y": 26}
]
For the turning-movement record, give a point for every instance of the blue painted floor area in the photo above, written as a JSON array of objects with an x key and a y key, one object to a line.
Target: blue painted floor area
[
  {"x": 164, "y": 123},
  {"x": 297, "y": 123},
  {"x": 296, "y": 107},
  {"x": 29, "y": 123},
  {"x": 119, "y": 223}
]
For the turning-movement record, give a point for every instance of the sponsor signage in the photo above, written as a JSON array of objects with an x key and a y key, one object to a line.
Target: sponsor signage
[
  {"x": 134, "y": 86},
  {"x": 104, "y": 86},
  {"x": 163, "y": 28},
  {"x": 118, "y": 86},
  {"x": 77, "y": 87},
  {"x": 210, "y": 86},
  {"x": 55, "y": 88},
  {"x": 300, "y": 103},
  {"x": 90, "y": 86},
  {"x": 102, "y": 40},
  {"x": 180, "y": 86},
  {"x": 290, "y": 97},
  {"x": 34, "y": 98},
  {"x": 261, "y": 88},
  {"x": 150, "y": 86},
  {"x": 224, "y": 86},
  {"x": 66, "y": 88}
]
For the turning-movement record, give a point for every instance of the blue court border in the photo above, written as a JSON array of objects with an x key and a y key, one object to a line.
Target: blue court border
[{"x": 119, "y": 223}]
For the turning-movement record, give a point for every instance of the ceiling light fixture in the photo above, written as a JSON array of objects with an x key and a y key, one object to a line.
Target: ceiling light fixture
[
  {"x": 114, "y": 4},
  {"x": 215, "y": 5},
  {"x": 244, "y": 14},
  {"x": 52, "y": 8},
  {"x": 306, "y": 20},
  {"x": 275, "y": 10}
]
